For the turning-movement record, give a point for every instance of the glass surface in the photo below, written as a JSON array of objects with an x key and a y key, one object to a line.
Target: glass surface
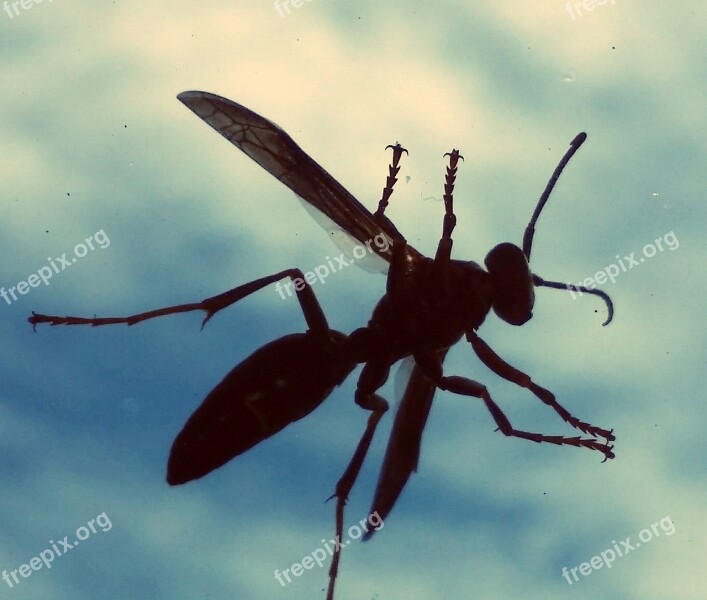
[{"x": 95, "y": 145}]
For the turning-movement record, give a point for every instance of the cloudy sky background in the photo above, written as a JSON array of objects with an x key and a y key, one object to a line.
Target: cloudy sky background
[{"x": 92, "y": 137}]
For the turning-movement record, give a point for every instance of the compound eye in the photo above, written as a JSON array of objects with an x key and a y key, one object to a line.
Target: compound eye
[{"x": 513, "y": 295}]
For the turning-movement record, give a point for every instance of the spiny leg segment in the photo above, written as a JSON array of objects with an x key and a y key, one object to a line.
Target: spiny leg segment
[
  {"x": 393, "y": 170},
  {"x": 432, "y": 367},
  {"x": 444, "y": 248},
  {"x": 499, "y": 366},
  {"x": 313, "y": 313},
  {"x": 373, "y": 376}
]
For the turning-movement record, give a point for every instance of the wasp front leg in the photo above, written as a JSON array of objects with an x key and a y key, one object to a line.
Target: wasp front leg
[
  {"x": 499, "y": 366},
  {"x": 432, "y": 367}
]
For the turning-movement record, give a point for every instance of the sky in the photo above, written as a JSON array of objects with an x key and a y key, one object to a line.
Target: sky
[{"x": 95, "y": 146}]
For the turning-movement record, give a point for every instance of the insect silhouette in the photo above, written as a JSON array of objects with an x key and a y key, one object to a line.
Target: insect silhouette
[{"x": 428, "y": 306}]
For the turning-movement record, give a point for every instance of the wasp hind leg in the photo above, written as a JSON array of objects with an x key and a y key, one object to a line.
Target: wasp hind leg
[{"x": 313, "y": 313}]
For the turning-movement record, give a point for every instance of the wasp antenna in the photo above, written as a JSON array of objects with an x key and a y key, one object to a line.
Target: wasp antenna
[
  {"x": 530, "y": 229},
  {"x": 540, "y": 282}
]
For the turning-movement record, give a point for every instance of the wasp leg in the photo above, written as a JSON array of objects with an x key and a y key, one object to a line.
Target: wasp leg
[
  {"x": 393, "y": 170},
  {"x": 444, "y": 248},
  {"x": 499, "y": 366},
  {"x": 313, "y": 313},
  {"x": 399, "y": 260},
  {"x": 373, "y": 376},
  {"x": 432, "y": 367}
]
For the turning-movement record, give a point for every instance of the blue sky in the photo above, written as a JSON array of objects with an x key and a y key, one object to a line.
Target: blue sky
[{"x": 93, "y": 139}]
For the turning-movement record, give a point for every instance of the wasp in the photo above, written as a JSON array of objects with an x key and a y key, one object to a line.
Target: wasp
[{"x": 428, "y": 306}]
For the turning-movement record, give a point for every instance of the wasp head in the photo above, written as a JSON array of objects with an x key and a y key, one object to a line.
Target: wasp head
[{"x": 512, "y": 296}]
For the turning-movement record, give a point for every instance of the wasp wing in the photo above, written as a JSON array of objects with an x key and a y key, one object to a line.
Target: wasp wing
[
  {"x": 275, "y": 151},
  {"x": 344, "y": 241},
  {"x": 403, "y": 451},
  {"x": 401, "y": 379}
]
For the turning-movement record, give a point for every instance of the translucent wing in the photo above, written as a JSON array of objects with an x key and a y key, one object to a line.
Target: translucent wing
[
  {"x": 402, "y": 379},
  {"x": 403, "y": 451},
  {"x": 275, "y": 151},
  {"x": 351, "y": 247}
]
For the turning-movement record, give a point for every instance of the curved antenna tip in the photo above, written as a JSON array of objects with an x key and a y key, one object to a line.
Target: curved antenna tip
[{"x": 570, "y": 287}]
